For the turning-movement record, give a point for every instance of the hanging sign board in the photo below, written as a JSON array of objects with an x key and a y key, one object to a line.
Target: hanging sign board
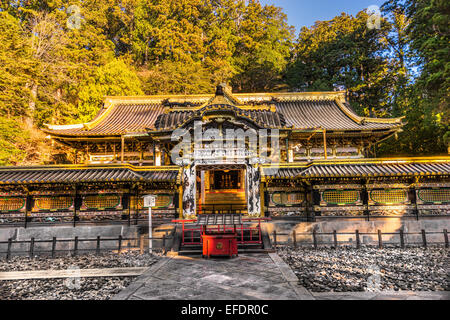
[{"x": 149, "y": 201}]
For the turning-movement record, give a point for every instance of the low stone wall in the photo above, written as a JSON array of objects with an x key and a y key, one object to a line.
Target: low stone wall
[{"x": 385, "y": 225}]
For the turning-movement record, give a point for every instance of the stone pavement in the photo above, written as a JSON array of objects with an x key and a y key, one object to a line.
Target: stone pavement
[
  {"x": 247, "y": 277},
  {"x": 384, "y": 295},
  {"x": 71, "y": 273}
]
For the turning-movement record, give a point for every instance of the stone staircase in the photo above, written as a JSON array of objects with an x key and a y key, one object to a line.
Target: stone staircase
[{"x": 223, "y": 202}]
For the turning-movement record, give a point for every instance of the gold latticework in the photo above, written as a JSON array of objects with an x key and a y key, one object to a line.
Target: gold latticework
[
  {"x": 163, "y": 201},
  {"x": 11, "y": 204},
  {"x": 101, "y": 201},
  {"x": 435, "y": 195},
  {"x": 140, "y": 203},
  {"x": 53, "y": 203},
  {"x": 341, "y": 197},
  {"x": 288, "y": 198},
  {"x": 392, "y": 196}
]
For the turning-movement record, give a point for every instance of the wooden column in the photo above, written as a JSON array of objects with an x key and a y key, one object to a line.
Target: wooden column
[
  {"x": 122, "y": 150},
  {"x": 141, "y": 153},
  {"x": 366, "y": 200},
  {"x": 75, "y": 205},
  {"x": 202, "y": 188},
  {"x": 180, "y": 200},
  {"x": 129, "y": 204},
  {"x": 28, "y": 202},
  {"x": 136, "y": 206},
  {"x": 261, "y": 190},
  {"x": 416, "y": 207},
  {"x": 325, "y": 143}
]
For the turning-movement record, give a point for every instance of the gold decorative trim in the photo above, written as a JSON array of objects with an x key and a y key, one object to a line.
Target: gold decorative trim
[
  {"x": 361, "y": 120},
  {"x": 109, "y": 107},
  {"x": 92, "y": 166},
  {"x": 436, "y": 159}
]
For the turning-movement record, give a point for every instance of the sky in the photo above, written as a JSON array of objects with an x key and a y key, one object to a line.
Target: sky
[{"x": 305, "y": 12}]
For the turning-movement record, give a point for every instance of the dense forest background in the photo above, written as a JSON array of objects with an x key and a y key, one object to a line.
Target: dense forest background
[{"x": 58, "y": 61}]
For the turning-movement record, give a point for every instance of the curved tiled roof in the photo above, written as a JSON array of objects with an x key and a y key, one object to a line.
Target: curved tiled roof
[
  {"x": 361, "y": 169},
  {"x": 87, "y": 174},
  {"x": 309, "y": 114},
  {"x": 136, "y": 115},
  {"x": 263, "y": 118},
  {"x": 122, "y": 119}
]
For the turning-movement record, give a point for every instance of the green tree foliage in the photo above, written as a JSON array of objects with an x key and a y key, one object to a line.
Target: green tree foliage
[
  {"x": 13, "y": 138},
  {"x": 424, "y": 101},
  {"x": 16, "y": 67},
  {"x": 176, "y": 77},
  {"x": 430, "y": 40},
  {"x": 262, "y": 51},
  {"x": 115, "y": 78},
  {"x": 226, "y": 41},
  {"x": 57, "y": 72},
  {"x": 344, "y": 54},
  {"x": 398, "y": 70}
]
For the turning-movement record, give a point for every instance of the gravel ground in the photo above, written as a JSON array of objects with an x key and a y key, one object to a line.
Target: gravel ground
[
  {"x": 70, "y": 289},
  {"x": 60, "y": 289},
  {"x": 369, "y": 269},
  {"x": 106, "y": 260}
]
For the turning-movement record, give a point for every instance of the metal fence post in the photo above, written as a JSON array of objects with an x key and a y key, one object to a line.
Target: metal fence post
[
  {"x": 402, "y": 239},
  {"x": 275, "y": 238},
  {"x": 31, "y": 247},
  {"x": 335, "y": 239},
  {"x": 75, "y": 246},
  {"x": 315, "y": 239},
  {"x": 358, "y": 242},
  {"x": 446, "y": 238},
  {"x": 97, "y": 250},
  {"x": 8, "y": 253},
  {"x": 141, "y": 244},
  {"x": 424, "y": 238},
  {"x": 119, "y": 249},
  {"x": 164, "y": 243},
  {"x": 294, "y": 237},
  {"x": 380, "y": 239},
  {"x": 53, "y": 247}
]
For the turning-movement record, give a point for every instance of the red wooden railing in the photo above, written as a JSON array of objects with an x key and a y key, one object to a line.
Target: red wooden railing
[{"x": 191, "y": 232}]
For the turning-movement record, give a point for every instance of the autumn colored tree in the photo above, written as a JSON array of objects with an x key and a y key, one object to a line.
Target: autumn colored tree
[
  {"x": 59, "y": 58},
  {"x": 115, "y": 78},
  {"x": 17, "y": 67}
]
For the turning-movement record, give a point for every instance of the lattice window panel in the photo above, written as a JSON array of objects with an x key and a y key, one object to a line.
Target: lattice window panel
[
  {"x": 340, "y": 197},
  {"x": 102, "y": 201},
  {"x": 435, "y": 195},
  {"x": 53, "y": 203},
  {"x": 288, "y": 198},
  {"x": 140, "y": 203},
  {"x": 11, "y": 204},
  {"x": 162, "y": 201},
  {"x": 393, "y": 196}
]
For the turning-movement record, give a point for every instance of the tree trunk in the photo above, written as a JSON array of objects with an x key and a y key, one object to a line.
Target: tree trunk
[{"x": 29, "y": 120}]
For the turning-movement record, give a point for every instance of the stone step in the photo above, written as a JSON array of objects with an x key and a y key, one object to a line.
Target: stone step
[{"x": 240, "y": 251}]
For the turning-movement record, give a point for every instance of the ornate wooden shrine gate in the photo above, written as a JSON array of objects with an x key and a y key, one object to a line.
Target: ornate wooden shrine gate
[{"x": 319, "y": 166}]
